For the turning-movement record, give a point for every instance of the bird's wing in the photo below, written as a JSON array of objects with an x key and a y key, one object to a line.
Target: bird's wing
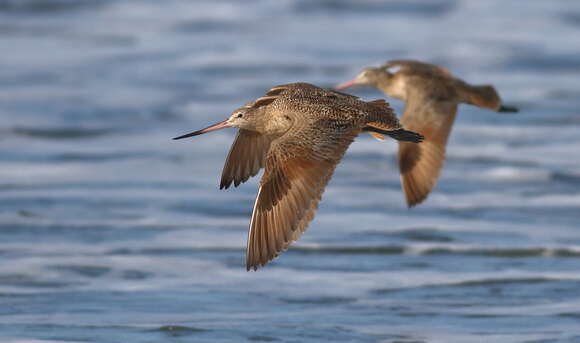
[
  {"x": 246, "y": 157},
  {"x": 298, "y": 167},
  {"x": 420, "y": 164}
]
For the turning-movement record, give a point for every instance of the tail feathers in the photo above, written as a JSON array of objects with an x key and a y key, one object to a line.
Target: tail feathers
[
  {"x": 486, "y": 97},
  {"x": 398, "y": 134},
  {"x": 482, "y": 96},
  {"x": 406, "y": 136},
  {"x": 505, "y": 108}
]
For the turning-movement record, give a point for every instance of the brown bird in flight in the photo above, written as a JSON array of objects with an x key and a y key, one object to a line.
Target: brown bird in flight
[
  {"x": 432, "y": 94},
  {"x": 298, "y": 132}
]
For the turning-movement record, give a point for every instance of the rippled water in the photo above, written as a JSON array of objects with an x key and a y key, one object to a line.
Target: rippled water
[{"x": 111, "y": 232}]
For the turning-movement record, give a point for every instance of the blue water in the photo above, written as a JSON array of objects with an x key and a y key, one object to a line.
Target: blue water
[{"x": 112, "y": 232}]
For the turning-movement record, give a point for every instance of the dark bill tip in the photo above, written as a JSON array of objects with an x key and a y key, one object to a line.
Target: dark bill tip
[{"x": 221, "y": 125}]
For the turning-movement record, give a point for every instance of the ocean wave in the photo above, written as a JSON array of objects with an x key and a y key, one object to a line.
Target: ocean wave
[
  {"x": 531, "y": 252},
  {"x": 44, "y": 6}
]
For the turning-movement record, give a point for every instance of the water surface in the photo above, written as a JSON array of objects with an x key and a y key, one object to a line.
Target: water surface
[{"x": 111, "y": 232}]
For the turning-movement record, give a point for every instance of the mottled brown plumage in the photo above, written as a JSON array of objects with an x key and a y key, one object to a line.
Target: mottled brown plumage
[
  {"x": 432, "y": 95},
  {"x": 298, "y": 133}
]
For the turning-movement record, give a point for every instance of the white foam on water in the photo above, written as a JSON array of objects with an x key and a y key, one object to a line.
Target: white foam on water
[{"x": 516, "y": 174}]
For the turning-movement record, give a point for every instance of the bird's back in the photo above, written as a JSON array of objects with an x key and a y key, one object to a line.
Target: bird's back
[
  {"x": 426, "y": 80},
  {"x": 314, "y": 104}
]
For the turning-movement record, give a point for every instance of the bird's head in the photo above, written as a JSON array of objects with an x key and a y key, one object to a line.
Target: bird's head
[
  {"x": 369, "y": 76},
  {"x": 243, "y": 118}
]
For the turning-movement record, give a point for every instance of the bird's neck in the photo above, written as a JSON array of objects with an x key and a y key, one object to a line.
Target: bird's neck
[{"x": 394, "y": 86}]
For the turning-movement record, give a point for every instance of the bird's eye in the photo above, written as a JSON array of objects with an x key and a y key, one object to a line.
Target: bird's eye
[{"x": 239, "y": 115}]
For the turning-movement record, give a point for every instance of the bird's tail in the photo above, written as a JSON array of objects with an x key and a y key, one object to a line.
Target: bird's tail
[
  {"x": 484, "y": 96},
  {"x": 397, "y": 134}
]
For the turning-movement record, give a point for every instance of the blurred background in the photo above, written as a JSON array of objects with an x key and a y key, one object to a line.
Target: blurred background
[{"x": 112, "y": 232}]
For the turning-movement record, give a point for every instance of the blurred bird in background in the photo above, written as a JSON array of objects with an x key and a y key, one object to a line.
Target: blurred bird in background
[{"x": 432, "y": 95}]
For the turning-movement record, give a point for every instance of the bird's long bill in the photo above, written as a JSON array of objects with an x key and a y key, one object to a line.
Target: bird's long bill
[
  {"x": 345, "y": 85},
  {"x": 217, "y": 126}
]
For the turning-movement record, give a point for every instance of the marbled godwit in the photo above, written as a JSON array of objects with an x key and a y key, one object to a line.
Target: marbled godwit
[
  {"x": 432, "y": 95},
  {"x": 299, "y": 133}
]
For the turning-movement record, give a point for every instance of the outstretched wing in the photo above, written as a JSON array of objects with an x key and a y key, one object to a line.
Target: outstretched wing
[
  {"x": 298, "y": 167},
  {"x": 421, "y": 164},
  {"x": 246, "y": 157}
]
